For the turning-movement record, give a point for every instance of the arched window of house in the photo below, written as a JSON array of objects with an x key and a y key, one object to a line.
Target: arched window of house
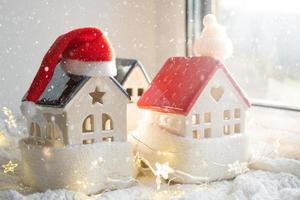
[
  {"x": 88, "y": 124},
  {"x": 32, "y": 129},
  {"x": 37, "y": 130},
  {"x": 52, "y": 131},
  {"x": 107, "y": 123}
]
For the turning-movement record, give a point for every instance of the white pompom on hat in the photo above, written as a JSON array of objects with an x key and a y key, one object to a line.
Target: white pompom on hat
[{"x": 213, "y": 40}]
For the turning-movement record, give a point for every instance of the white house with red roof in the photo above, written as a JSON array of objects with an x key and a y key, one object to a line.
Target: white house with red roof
[
  {"x": 195, "y": 113},
  {"x": 196, "y": 97},
  {"x": 194, "y": 120}
]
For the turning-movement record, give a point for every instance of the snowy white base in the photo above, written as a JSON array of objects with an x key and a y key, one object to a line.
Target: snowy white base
[
  {"x": 253, "y": 185},
  {"x": 195, "y": 161},
  {"x": 84, "y": 168}
]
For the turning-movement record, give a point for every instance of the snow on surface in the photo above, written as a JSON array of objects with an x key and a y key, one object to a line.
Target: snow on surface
[
  {"x": 252, "y": 185},
  {"x": 271, "y": 177}
]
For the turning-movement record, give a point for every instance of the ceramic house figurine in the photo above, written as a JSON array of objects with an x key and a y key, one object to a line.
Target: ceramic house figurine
[
  {"x": 195, "y": 116},
  {"x": 76, "y": 114},
  {"x": 134, "y": 79}
]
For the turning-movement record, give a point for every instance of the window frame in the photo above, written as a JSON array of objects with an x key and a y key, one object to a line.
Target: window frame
[
  {"x": 195, "y": 11},
  {"x": 85, "y": 130},
  {"x": 140, "y": 92},
  {"x": 106, "y": 118}
]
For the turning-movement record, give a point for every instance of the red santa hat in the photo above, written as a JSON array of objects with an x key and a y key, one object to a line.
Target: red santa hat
[{"x": 83, "y": 51}]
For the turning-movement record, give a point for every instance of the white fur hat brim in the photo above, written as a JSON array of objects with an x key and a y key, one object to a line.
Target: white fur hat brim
[
  {"x": 28, "y": 109},
  {"x": 93, "y": 69}
]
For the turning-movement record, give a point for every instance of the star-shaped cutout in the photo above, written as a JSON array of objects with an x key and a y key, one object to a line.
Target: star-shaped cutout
[
  {"x": 9, "y": 167},
  {"x": 97, "y": 96}
]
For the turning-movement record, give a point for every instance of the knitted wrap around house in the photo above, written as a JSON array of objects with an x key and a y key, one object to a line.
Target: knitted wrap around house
[
  {"x": 195, "y": 114},
  {"x": 76, "y": 115}
]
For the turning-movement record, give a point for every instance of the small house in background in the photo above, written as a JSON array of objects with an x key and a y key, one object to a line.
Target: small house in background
[
  {"x": 196, "y": 97},
  {"x": 134, "y": 79}
]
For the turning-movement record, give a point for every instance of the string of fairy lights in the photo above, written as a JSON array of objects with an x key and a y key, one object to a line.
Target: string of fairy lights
[
  {"x": 162, "y": 170},
  {"x": 10, "y": 119},
  {"x": 10, "y": 122}
]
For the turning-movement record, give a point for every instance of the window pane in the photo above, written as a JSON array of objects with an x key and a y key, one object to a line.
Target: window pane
[
  {"x": 266, "y": 38},
  {"x": 226, "y": 129},
  {"x": 140, "y": 91},
  {"x": 88, "y": 124},
  {"x": 129, "y": 91},
  {"x": 207, "y": 117},
  {"x": 237, "y": 113},
  {"x": 107, "y": 123},
  {"x": 88, "y": 141},
  {"x": 108, "y": 139},
  {"x": 207, "y": 132},
  {"x": 226, "y": 114},
  {"x": 195, "y": 119}
]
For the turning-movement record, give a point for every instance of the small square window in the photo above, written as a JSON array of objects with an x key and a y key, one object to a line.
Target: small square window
[
  {"x": 40, "y": 142},
  {"x": 207, "y": 132},
  {"x": 129, "y": 91},
  {"x": 195, "y": 119},
  {"x": 237, "y": 113},
  {"x": 88, "y": 141},
  {"x": 196, "y": 134},
  {"x": 226, "y": 114},
  {"x": 108, "y": 139},
  {"x": 237, "y": 128},
  {"x": 207, "y": 117},
  {"x": 226, "y": 129},
  {"x": 140, "y": 91}
]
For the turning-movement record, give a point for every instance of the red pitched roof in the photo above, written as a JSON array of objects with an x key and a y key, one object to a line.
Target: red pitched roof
[{"x": 179, "y": 83}]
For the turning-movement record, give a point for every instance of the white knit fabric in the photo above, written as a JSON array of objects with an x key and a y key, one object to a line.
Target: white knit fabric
[
  {"x": 84, "y": 168},
  {"x": 194, "y": 160},
  {"x": 213, "y": 40}
]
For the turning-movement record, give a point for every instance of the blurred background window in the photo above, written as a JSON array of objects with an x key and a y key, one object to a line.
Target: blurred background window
[
  {"x": 265, "y": 36},
  {"x": 265, "y": 60}
]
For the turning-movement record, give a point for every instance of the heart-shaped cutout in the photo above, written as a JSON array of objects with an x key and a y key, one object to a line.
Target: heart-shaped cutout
[{"x": 217, "y": 93}]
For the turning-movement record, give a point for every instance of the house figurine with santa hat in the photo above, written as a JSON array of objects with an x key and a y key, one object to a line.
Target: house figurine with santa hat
[
  {"x": 76, "y": 114},
  {"x": 195, "y": 113}
]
